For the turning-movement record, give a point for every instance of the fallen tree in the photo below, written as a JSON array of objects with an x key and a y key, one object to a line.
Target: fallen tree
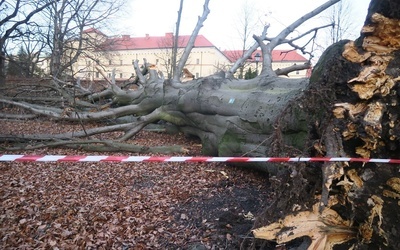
[
  {"x": 348, "y": 109},
  {"x": 231, "y": 117}
]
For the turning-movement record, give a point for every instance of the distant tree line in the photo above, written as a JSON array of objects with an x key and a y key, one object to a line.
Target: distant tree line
[
  {"x": 37, "y": 28},
  {"x": 23, "y": 65}
]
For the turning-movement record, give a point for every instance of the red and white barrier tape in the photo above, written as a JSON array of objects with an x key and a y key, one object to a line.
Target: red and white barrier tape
[{"x": 105, "y": 158}]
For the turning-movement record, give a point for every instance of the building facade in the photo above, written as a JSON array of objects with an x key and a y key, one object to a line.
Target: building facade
[
  {"x": 117, "y": 54},
  {"x": 120, "y": 53}
]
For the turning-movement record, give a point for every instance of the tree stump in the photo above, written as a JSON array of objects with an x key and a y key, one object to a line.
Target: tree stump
[{"x": 352, "y": 104}]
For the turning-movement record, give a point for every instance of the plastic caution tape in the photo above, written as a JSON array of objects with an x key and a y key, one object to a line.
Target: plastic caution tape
[{"x": 111, "y": 158}]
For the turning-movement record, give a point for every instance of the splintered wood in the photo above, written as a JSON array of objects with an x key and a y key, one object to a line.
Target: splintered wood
[
  {"x": 372, "y": 118},
  {"x": 325, "y": 229},
  {"x": 380, "y": 41}
]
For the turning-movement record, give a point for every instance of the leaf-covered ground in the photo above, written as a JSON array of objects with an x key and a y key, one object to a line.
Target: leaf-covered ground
[{"x": 125, "y": 205}]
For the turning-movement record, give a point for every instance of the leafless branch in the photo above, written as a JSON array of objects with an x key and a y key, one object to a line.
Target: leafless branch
[
  {"x": 188, "y": 48},
  {"x": 308, "y": 32},
  {"x": 280, "y": 38},
  {"x": 303, "y": 47},
  {"x": 292, "y": 68},
  {"x": 176, "y": 40},
  {"x": 20, "y": 22},
  {"x": 267, "y": 58},
  {"x": 284, "y": 33},
  {"x": 246, "y": 55},
  {"x": 139, "y": 74}
]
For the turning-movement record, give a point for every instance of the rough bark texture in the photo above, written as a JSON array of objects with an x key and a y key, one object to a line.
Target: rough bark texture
[
  {"x": 352, "y": 109},
  {"x": 235, "y": 121},
  {"x": 231, "y": 117}
]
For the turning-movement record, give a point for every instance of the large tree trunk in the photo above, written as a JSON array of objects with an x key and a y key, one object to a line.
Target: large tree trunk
[{"x": 236, "y": 119}]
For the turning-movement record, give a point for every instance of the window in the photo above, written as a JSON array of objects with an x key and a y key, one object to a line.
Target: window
[
  {"x": 120, "y": 75},
  {"x": 156, "y": 61},
  {"x": 133, "y": 61},
  {"x": 109, "y": 62},
  {"x": 297, "y": 72},
  {"x": 197, "y": 61},
  {"x": 88, "y": 63},
  {"x": 109, "y": 75},
  {"x": 97, "y": 75}
]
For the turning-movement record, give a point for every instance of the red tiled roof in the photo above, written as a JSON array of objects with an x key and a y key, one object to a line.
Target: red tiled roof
[
  {"x": 287, "y": 55},
  {"x": 126, "y": 42},
  {"x": 277, "y": 55}
]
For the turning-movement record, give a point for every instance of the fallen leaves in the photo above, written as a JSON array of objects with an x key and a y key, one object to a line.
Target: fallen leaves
[
  {"x": 92, "y": 206},
  {"x": 121, "y": 205}
]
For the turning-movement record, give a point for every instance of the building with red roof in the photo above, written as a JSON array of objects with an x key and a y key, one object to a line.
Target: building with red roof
[
  {"x": 277, "y": 55},
  {"x": 126, "y": 42},
  {"x": 119, "y": 53},
  {"x": 280, "y": 59}
]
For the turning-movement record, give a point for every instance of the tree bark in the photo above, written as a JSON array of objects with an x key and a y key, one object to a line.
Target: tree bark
[
  {"x": 176, "y": 40},
  {"x": 352, "y": 109},
  {"x": 3, "y": 72}
]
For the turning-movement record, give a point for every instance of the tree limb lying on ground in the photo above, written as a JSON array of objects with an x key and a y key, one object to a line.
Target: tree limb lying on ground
[{"x": 347, "y": 109}]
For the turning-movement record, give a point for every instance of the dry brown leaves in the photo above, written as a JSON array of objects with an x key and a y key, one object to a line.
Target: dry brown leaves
[{"x": 124, "y": 205}]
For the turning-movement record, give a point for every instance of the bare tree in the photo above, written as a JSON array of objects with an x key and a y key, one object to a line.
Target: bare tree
[
  {"x": 340, "y": 16},
  {"x": 68, "y": 19},
  {"x": 34, "y": 47},
  {"x": 172, "y": 49},
  {"x": 245, "y": 29},
  {"x": 14, "y": 19},
  {"x": 343, "y": 27}
]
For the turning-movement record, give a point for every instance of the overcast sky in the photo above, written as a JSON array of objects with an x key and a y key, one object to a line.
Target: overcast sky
[{"x": 222, "y": 27}]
